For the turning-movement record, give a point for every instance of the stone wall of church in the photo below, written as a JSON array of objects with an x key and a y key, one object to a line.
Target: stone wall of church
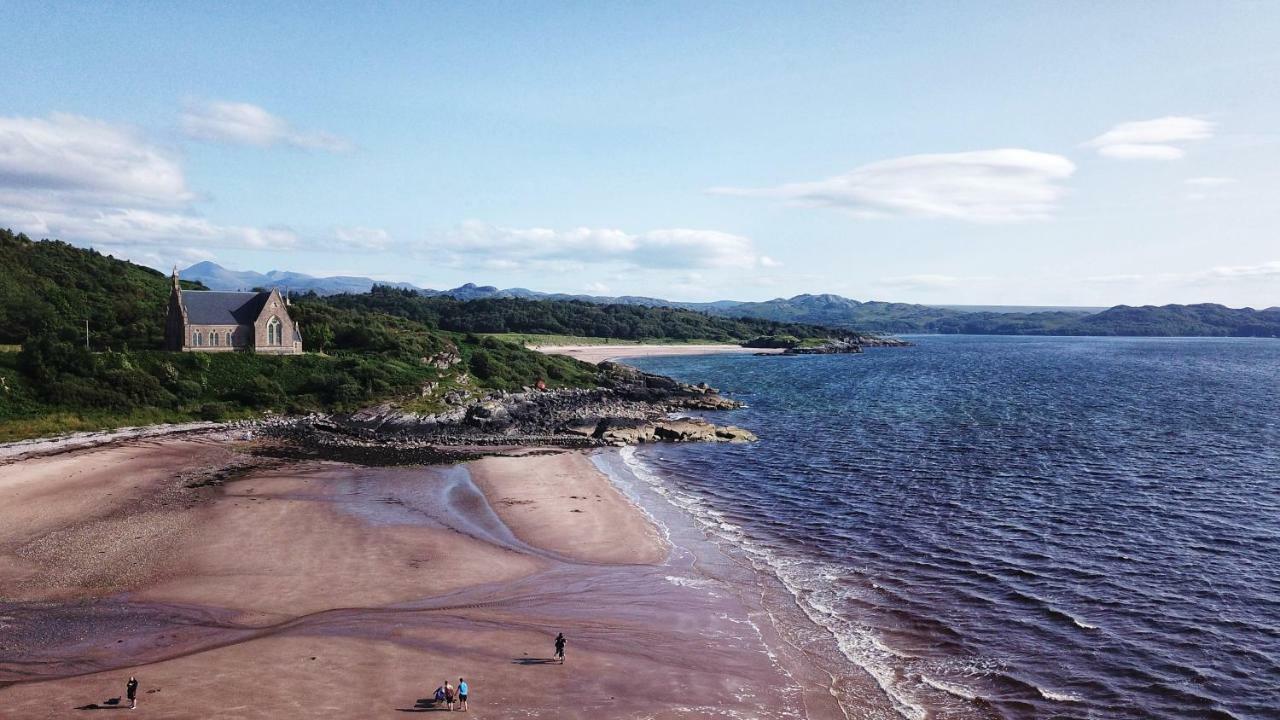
[
  {"x": 290, "y": 343},
  {"x": 229, "y": 338}
]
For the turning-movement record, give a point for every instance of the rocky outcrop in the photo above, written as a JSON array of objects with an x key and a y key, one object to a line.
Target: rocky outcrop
[
  {"x": 629, "y": 407},
  {"x": 830, "y": 347}
]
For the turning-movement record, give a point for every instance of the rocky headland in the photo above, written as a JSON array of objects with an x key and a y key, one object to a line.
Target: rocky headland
[{"x": 629, "y": 407}]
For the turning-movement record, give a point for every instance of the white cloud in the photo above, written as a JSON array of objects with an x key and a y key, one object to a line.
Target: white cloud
[
  {"x": 1151, "y": 139},
  {"x": 245, "y": 124},
  {"x": 596, "y": 288},
  {"x": 1209, "y": 182},
  {"x": 66, "y": 157},
  {"x": 88, "y": 181},
  {"x": 499, "y": 248},
  {"x": 927, "y": 281},
  {"x": 1120, "y": 279},
  {"x": 361, "y": 238},
  {"x": 1261, "y": 271},
  {"x": 1006, "y": 185},
  {"x": 1224, "y": 274}
]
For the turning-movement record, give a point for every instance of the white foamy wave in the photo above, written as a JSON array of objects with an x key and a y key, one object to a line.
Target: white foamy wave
[
  {"x": 1058, "y": 696},
  {"x": 697, "y": 583},
  {"x": 1082, "y": 624},
  {"x": 959, "y": 691},
  {"x": 815, "y": 586}
]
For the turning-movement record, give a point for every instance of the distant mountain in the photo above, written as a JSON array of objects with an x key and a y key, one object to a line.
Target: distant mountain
[
  {"x": 216, "y": 277},
  {"x": 836, "y": 311}
]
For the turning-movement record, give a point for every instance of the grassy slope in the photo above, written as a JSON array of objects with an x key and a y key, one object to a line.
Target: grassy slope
[{"x": 48, "y": 288}]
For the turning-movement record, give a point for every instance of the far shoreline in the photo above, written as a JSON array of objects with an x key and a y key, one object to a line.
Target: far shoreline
[{"x": 596, "y": 354}]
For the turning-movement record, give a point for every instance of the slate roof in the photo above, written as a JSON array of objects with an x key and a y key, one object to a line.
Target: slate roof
[{"x": 207, "y": 307}]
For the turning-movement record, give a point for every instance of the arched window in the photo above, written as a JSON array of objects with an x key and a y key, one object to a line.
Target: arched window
[
  {"x": 275, "y": 336},
  {"x": 213, "y": 338},
  {"x": 196, "y": 339}
]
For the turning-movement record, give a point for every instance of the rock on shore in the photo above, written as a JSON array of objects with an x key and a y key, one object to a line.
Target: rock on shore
[{"x": 628, "y": 407}]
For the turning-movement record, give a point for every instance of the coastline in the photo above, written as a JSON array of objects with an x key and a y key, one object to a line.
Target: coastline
[
  {"x": 273, "y": 588},
  {"x": 601, "y": 353}
]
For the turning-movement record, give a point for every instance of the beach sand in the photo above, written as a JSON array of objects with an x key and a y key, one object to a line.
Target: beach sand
[
  {"x": 600, "y": 353},
  {"x": 301, "y": 589}
]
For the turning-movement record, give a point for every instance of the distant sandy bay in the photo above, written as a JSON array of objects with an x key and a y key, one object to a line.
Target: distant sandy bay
[
  {"x": 600, "y": 353},
  {"x": 235, "y": 586}
]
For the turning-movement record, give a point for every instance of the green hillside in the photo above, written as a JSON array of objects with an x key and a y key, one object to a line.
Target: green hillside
[
  {"x": 53, "y": 384},
  {"x": 52, "y": 283},
  {"x": 571, "y": 317}
]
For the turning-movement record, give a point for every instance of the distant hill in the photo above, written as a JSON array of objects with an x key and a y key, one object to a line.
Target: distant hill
[
  {"x": 216, "y": 277},
  {"x": 837, "y": 311}
]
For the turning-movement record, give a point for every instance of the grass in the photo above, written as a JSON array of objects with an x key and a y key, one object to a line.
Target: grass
[{"x": 532, "y": 339}]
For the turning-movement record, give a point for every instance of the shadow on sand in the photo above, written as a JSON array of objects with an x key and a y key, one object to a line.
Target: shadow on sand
[
  {"x": 535, "y": 661},
  {"x": 426, "y": 705},
  {"x": 111, "y": 704}
]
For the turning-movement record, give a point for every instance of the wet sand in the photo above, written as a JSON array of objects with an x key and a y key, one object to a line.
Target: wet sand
[
  {"x": 600, "y": 353},
  {"x": 295, "y": 589}
]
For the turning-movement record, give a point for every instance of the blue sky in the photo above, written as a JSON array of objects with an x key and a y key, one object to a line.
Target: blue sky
[{"x": 1020, "y": 153}]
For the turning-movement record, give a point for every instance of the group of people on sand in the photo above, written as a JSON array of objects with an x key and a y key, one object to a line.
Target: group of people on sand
[{"x": 450, "y": 695}]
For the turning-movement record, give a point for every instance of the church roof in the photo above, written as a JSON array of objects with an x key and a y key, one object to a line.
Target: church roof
[{"x": 207, "y": 307}]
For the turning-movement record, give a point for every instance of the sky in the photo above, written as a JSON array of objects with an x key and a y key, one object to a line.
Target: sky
[{"x": 1072, "y": 153}]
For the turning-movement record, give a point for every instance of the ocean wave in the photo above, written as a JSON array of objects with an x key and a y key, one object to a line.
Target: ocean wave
[
  {"x": 950, "y": 688},
  {"x": 1058, "y": 696},
  {"x": 811, "y": 586}
]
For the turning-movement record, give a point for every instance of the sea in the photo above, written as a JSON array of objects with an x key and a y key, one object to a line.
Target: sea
[{"x": 1010, "y": 527}]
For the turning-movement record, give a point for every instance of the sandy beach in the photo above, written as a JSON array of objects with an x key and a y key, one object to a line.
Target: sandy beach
[
  {"x": 600, "y": 353},
  {"x": 239, "y": 587}
]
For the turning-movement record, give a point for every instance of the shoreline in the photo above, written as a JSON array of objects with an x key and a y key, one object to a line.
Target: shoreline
[
  {"x": 596, "y": 354},
  {"x": 330, "y": 587}
]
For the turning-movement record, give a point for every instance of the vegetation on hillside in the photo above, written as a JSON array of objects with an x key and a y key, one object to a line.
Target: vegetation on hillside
[
  {"x": 1206, "y": 320},
  {"x": 51, "y": 283},
  {"x": 559, "y": 317},
  {"x": 54, "y": 384}
]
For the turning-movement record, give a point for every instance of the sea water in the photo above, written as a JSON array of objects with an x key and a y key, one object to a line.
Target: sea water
[{"x": 1012, "y": 527}]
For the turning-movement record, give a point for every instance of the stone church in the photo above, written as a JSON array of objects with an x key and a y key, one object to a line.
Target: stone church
[{"x": 209, "y": 321}]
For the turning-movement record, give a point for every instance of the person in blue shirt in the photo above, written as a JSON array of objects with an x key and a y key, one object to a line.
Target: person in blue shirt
[{"x": 462, "y": 694}]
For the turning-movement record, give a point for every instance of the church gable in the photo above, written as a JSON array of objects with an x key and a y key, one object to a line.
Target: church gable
[{"x": 211, "y": 321}]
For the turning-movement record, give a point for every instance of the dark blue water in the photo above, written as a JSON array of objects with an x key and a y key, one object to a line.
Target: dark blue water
[{"x": 1016, "y": 527}]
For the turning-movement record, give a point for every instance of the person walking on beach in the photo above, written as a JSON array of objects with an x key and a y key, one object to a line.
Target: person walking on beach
[
  {"x": 131, "y": 692},
  {"x": 450, "y": 696},
  {"x": 462, "y": 694},
  {"x": 560, "y": 648}
]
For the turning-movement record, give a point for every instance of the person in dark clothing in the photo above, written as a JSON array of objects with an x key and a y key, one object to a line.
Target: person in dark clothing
[
  {"x": 560, "y": 648},
  {"x": 131, "y": 692}
]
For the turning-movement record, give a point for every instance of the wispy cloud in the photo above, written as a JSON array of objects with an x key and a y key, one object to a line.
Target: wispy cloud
[
  {"x": 241, "y": 123},
  {"x": 477, "y": 244},
  {"x": 1222, "y": 274},
  {"x": 1158, "y": 139},
  {"x": 68, "y": 157},
  {"x": 987, "y": 186},
  {"x": 1209, "y": 182},
  {"x": 89, "y": 181},
  {"x": 1261, "y": 271},
  {"x": 926, "y": 281}
]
